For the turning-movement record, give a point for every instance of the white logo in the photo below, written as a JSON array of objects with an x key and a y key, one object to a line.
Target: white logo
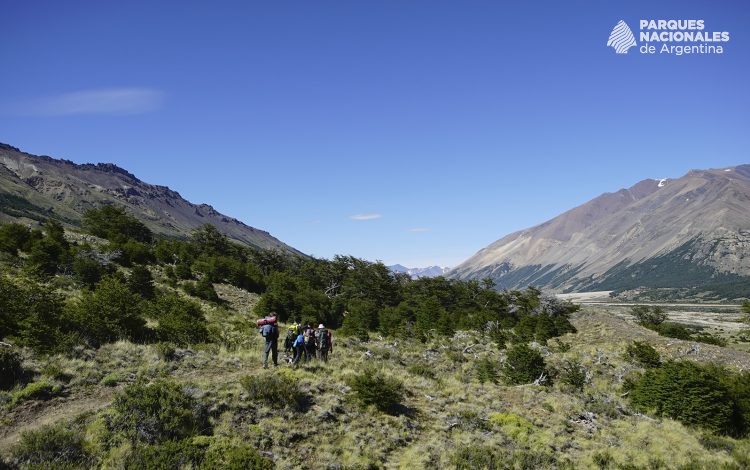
[{"x": 621, "y": 38}]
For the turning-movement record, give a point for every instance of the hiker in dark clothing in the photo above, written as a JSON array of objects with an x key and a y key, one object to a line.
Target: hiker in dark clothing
[
  {"x": 271, "y": 333},
  {"x": 325, "y": 342},
  {"x": 310, "y": 344}
]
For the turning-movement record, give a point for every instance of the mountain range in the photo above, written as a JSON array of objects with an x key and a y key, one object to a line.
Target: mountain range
[
  {"x": 416, "y": 273},
  {"x": 33, "y": 188},
  {"x": 691, "y": 232}
]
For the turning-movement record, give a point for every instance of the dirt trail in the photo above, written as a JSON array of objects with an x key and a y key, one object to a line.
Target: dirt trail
[{"x": 32, "y": 415}]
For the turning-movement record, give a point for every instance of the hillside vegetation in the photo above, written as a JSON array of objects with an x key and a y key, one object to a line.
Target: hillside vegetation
[{"x": 124, "y": 349}]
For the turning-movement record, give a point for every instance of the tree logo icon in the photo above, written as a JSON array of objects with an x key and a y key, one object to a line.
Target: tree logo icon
[{"x": 621, "y": 38}]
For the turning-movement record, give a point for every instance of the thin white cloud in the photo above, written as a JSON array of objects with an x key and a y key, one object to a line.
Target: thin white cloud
[
  {"x": 112, "y": 101},
  {"x": 365, "y": 216},
  {"x": 418, "y": 229}
]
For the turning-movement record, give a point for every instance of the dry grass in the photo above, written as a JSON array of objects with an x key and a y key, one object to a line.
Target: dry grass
[{"x": 445, "y": 407}]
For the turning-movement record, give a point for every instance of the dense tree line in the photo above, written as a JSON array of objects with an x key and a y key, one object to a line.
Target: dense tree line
[{"x": 359, "y": 296}]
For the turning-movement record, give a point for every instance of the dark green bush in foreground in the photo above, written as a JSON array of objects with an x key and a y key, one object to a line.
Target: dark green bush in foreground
[
  {"x": 158, "y": 412},
  {"x": 277, "y": 391},
  {"x": 169, "y": 454},
  {"x": 644, "y": 354},
  {"x": 706, "y": 396},
  {"x": 181, "y": 321},
  {"x": 523, "y": 365},
  {"x": 57, "y": 446},
  {"x": 375, "y": 388},
  {"x": 11, "y": 370}
]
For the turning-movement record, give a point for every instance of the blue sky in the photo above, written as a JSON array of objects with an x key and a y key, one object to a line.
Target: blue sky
[{"x": 414, "y": 132}]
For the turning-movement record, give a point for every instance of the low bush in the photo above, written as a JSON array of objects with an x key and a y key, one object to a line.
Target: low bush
[
  {"x": 704, "y": 396},
  {"x": 109, "y": 313},
  {"x": 645, "y": 314},
  {"x": 523, "y": 365},
  {"x": 11, "y": 368},
  {"x": 573, "y": 375},
  {"x": 181, "y": 321},
  {"x": 277, "y": 391},
  {"x": 158, "y": 412},
  {"x": 643, "y": 354},
  {"x": 421, "y": 368},
  {"x": 166, "y": 455},
  {"x": 37, "y": 391},
  {"x": 223, "y": 453},
  {"x": 374, "y": 388},
  {"x": 485, "y": 370},
  {"x": 56, "y": 446}
]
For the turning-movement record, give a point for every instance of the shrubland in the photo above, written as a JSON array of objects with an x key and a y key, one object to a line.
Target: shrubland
[{"x": 121, "y": 349}]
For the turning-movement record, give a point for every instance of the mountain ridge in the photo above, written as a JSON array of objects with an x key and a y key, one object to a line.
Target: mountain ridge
[
  {"x": 586, "y": 247},
  {"x": 58, "y": 187}
]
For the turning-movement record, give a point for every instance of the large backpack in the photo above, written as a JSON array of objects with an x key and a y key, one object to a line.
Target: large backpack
[
  {"x": 323, "y": 342},
  {"x": 269, "y": 332}
]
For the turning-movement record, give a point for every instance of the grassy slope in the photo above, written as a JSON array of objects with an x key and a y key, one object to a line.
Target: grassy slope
[{"x": 446, "y": 407}]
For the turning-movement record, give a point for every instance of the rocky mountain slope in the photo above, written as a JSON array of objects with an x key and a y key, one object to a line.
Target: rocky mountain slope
[
  {"x": 34, "y": 187},
  {"x": 690, "y": 232}
]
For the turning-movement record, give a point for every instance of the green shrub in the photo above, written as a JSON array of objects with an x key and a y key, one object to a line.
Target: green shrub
[
  {"x": 485, "y": 370},
  {"x": 13, "y": 237},
  {"x": 32, "y": 315},
  {"x": 56, "y": 446},
  {"x": 87, "y": 271},
  {"x": 651, "y": 315},
  {"x": 277, "y": 391},
  {"x": 234, "y": 456},
  {"x": 708, "y": 338},
  {"x": 695, "y": 395},
  {"x": 203, "y": 289},
  {"x": 141, "y": 282},
  {"x": 158, "y": 412},
  {"x": 116, "y": 225},
  {"x": 166, "y": 455},
  {"x": 376, "y": 389},
  {"x": 11, "y": 368},
  {"x": 109, "y": 313},
  {"x": 523, "y": 365},
  {"x": 421, "y": 368},
  {"x": 37, "y": 391},
  {"x": 489, "y": 457},
  {"x": 642, "y": 353},
  {"x": 181, "y": 321},
  {"x": 674, "y": 330},
  {"x": 573, "y": 374}
]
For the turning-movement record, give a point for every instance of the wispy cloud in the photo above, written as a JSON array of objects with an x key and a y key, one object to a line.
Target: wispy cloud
[
  {"x": 418, "y": 229},
  {"x": 112, "y": 101},
  {"x": 365, "y": 216}
]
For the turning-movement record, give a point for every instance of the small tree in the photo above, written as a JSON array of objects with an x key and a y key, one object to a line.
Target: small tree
[
  {"x": 648, "y": 315},
  {"x": 523, "y": 365},
  {"x": 109, "y": 313},
  {"x": 642, "y": 353},
  {"x": 141, "y": 282}
]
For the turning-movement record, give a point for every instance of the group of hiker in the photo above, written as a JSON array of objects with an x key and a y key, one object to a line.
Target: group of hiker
[{"x": 302, "y": 341}]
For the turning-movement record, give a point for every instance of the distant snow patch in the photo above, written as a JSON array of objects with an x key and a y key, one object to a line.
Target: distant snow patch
[
  {"x": 728, "y": 169},
  {"x": 662, "y": 182}
]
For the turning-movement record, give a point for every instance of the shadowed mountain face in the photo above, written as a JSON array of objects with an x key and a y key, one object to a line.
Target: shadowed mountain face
[
  {"x": 682, "y": 233},
  {"x": 34, "y": 187}
]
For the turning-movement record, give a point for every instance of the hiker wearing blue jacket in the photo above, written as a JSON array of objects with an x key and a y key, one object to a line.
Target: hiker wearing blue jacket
[{"x": 299, "y": 348}]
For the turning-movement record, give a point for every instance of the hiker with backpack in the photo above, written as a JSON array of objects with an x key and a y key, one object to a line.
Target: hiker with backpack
[
  {"x": 291, "y": 335},
  {"x": 299, "y": 348},
  {"x": 310, "y": 344},
  {"x": 270, "y": 332},
  {"x": 325, "y": 342}
]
